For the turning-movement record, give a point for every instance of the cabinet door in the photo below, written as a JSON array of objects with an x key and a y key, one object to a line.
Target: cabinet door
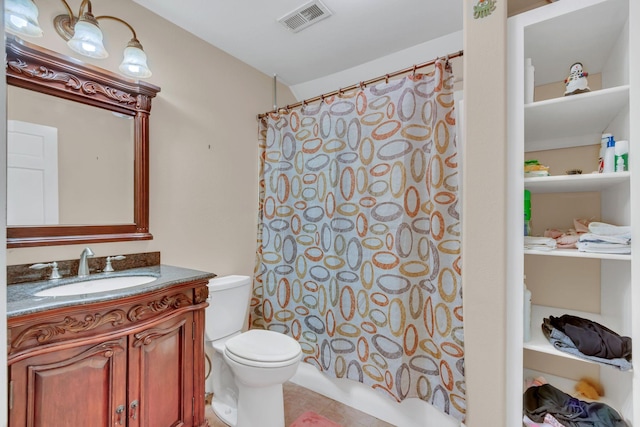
[
  {"x": 78, "y": 386},
  {"x": 161, "y": 386}
]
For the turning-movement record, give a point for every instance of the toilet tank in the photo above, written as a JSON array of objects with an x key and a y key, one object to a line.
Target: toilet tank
[{"x": 228, "y": 306}]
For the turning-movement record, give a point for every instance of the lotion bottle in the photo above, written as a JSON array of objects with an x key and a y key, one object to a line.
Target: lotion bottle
[{"x": 610, "y": 156}]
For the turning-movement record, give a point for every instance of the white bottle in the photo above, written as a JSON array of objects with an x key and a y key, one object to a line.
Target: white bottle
[
  {"x": 622, "y": 155},
  {"x": 603, "y": 147},
  {"x": 610, "y": 156},
  {"x": 529, "y": 71},
  {"x": 527, "y": 313}
]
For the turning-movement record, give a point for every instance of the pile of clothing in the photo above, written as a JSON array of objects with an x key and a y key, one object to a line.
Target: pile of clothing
[
  {"x": 568, "y": 239},
  {"x": 545, "y": 405},
  {"x": 588, "y": 340},
  {"x": 606, "y": 238}
]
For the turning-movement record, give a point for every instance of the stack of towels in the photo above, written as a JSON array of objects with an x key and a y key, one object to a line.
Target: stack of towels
[
  {"x": 606, "y": 238},
  {"x": 539, "y": 243}
]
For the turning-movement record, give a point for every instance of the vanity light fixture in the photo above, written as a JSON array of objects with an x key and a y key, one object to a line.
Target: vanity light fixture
[
  {"x": 21, "y": 18},
  {"x": 82, "y": 33}
]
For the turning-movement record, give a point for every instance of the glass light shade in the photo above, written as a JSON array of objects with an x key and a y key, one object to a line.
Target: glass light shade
[
  {"x": 87, "y": 39},
  {"x": 21, "y": 18},
  {"x": 134, "y": 63}
]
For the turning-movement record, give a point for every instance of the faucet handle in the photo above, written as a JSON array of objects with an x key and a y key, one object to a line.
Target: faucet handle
[
  {"x": 54, "y": 269},
  {"x": 108, "y": 268}
]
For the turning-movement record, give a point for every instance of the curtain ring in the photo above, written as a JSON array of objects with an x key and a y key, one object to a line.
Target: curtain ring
[
  {"x": 340, "y": 93},
  {"x": 322, "y": 98},
  {"x": 362, "y": 85},
  {"x": 415, "y": 67},
  {"x": 386, "y": 78}
]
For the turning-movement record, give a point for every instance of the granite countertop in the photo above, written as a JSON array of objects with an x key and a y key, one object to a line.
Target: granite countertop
[{"x": 21, "y": 297}]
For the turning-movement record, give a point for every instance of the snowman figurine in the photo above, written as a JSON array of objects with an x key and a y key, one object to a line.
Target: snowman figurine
[{"x": 577, "y": 80}]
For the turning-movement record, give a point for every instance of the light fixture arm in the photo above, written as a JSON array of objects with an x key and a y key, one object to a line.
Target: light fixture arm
[
  {"x": 135, "y": 37},
  {"x": 84, "y": 3}
]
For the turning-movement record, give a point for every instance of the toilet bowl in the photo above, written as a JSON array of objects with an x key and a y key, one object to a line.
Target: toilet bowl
[{"x": 248, "y": 368}]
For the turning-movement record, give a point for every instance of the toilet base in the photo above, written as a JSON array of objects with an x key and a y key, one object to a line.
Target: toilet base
[
  {"x": 226, "y": 413},
  {"x": 260, "y": 406}
]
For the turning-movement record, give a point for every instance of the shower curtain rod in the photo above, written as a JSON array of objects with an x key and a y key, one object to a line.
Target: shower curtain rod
[{"x": 340, "y": 91}]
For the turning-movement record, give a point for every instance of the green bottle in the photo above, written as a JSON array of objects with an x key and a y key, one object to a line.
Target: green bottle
[{"x": 527, "y": 213}]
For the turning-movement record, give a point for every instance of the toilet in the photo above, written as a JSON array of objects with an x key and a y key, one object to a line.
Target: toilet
[{"x": 247, "y": 368}]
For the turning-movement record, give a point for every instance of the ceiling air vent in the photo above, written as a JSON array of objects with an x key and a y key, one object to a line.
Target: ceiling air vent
[{"x": 304, "y": 16}]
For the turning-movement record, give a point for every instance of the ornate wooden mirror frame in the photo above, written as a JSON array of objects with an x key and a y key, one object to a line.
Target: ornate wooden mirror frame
[{"x": 38, "y": 69}]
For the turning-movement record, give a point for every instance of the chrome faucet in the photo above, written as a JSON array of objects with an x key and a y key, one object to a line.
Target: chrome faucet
[{"x": 83, "y": 268}]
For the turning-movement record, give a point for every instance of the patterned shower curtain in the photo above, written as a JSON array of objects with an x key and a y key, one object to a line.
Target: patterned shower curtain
[{"x": 359, "y": 246}]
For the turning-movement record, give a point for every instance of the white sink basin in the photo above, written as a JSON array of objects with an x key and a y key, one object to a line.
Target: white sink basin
[{"x": 96, "y": 285}]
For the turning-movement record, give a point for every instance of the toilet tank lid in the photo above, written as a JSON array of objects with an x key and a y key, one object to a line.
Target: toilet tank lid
[{"x": 231, "y": 281}]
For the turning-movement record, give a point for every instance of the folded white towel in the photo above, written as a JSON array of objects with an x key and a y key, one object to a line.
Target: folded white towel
[
  {"x": 604, "y": 248},
  {"x": 604, "y": 229},
  {"x": 539, "y": 243},
  {"x": 603, "y": 238}
]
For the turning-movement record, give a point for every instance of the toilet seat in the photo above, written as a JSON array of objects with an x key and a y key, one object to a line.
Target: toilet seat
[{"x": 262, "y": 348}]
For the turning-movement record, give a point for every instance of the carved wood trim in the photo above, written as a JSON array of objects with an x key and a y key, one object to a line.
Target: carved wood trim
[
  {"x": 106, "y": 349},
  {"x": 147, "y": 336},
  {"x": 201, "y": 294},
  {"x": 166, "y": 303},
  {"x": 44, "y": 332},
  {"x": 34, "y": 67},
  {"x": 69, "y": 81}
]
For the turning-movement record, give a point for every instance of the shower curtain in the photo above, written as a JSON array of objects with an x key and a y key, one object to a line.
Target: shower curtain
[{"x": 359, "y": 246}]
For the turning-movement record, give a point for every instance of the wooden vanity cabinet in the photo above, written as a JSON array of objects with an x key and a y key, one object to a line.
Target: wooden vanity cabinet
[{"x": 134, "y": 363}]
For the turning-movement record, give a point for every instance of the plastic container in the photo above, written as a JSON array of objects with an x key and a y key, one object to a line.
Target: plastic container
[
  {"x": 529, "y": 71},
  {"x": 527, "y": 313},
  {"x": 527, "y": 213},
  {"x": 603, "y": 147},
  {"x": 622, "y": 155},
  {"x": 610, "y": 156}
]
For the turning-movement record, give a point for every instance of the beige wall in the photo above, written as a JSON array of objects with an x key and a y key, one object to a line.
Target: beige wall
[
  {"x": 203, "y": 149},
  {"x": 484, "y": 215}
]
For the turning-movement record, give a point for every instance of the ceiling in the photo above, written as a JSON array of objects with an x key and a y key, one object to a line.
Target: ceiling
[{"x": 357, "y": 32}]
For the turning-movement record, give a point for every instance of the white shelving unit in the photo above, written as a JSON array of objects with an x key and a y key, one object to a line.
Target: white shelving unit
[{"x": 605, "y": 36}]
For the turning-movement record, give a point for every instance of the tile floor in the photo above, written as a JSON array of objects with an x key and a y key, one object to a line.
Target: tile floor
[{"x": 298, "y": 400}]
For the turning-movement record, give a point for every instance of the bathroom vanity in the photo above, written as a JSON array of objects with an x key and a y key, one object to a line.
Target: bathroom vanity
[{"x": 128, "y": 357}]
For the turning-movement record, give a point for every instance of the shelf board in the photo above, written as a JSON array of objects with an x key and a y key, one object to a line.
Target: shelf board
[
  {"x": 540, "y": 343},
  {"x": 556, "y": 121},
  {"x": 574, "y": 253},
  {"x": 575, "y": 183}
]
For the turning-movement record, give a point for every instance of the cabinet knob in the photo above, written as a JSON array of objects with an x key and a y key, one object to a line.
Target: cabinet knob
[
  {"x": 119, "y": 413},
  {"x": 133, "y": 410}
]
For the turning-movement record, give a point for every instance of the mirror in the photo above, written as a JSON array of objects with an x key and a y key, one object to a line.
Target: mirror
[
  {"x": 96, "y": 186},
  {"x": 46, "y": 138}
]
